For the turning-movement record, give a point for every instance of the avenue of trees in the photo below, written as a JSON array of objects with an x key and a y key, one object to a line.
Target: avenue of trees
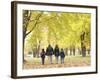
[{"x": 69, "y": 30}]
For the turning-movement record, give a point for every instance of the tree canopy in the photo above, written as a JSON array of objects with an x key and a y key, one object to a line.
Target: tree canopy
[{"x": 62, "y": 28}]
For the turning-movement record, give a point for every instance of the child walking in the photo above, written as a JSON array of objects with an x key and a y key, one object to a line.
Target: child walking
[
  {"x": 62, "y": 56},
  {"x": 43, "y": 56}
]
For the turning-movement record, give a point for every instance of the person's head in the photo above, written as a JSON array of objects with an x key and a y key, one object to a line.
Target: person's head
[
  {"x": 61, "y": 49},
  {"x": 56, "y": 46},
  {"x": 49, "y": 45},
  {"x": 42, "y": 50}
]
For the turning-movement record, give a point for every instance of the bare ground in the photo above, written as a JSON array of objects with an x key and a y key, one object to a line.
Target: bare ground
[{"x": 70, "y": 61}]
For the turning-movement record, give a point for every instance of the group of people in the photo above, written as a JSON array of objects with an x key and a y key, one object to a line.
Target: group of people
[{"x": 50, "y": 52}]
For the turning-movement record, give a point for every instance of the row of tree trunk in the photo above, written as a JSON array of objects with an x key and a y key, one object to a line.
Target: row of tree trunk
[
  {"x": 68, "y": 52},
  {"x": 82, "y": 51},
  {"x": 74, "y": 51}
]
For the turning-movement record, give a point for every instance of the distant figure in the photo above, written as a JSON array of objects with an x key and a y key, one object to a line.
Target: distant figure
[
  {"x": 49, "y": 52},
  {"x": 62, "y": 56},
  {"x": 43, "y": 56},
  {"x": 56, "y": 52}
]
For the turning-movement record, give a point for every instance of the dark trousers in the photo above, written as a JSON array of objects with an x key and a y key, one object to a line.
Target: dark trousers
[
  {"x": 43, "y": 59},
  {"x": 62, "y": 60}
]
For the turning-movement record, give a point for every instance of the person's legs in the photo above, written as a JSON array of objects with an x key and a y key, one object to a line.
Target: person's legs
[
  {"x": 43, "y": 61},
  {"x": 57, "y": 59},
  {"x": 50, "y": 59},
  {"x": 62, "y": 60}
]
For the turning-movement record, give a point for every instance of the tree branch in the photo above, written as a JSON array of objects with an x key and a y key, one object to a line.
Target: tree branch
[
  {"x": 27, "y": 20},
  {"x": 37, "y": 18}
]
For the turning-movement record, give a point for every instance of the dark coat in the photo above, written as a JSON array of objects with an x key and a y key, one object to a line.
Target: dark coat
[
  {"x": 62, "y": 55},
  {"x": 56, "y": 52},
  {"x": 49, "y": 51},
  {"x": 42, "y": 55}
]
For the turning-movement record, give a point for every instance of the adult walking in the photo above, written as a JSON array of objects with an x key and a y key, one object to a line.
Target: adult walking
[
  {"x": 56, "y": 52},
  {"x": 49, "y": 52}
]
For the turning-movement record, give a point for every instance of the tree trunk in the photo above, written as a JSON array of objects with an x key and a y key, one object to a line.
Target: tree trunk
[
  {"x": 83, "y": 51},
  {"x": 34, "y": 52},
  {"x": 88, "y": 51},
  {"x": 83, "y": 47},
  {"x": 70, "y": 51},
  {"x": 66, "y": 50},
  {"x": 38, "y": 51},
  {"x": 79, "y": 51},
  {"x": 23, "y": 46},
  {"x": 74, "y": 51},
  {"x": 39, "y": 45}
]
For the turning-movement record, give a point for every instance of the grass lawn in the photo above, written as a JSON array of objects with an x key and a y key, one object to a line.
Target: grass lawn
[{"x": 69, "y": 61}]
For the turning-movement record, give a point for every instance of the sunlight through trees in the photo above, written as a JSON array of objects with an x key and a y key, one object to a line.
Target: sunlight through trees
[{"x": 67, "y": 29}]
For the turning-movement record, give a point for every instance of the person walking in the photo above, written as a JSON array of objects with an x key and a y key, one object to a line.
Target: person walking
[
  {"x": 56, "y": 52},
  {"x": 62, "y": 56},
  {"x": 49, "y": 52},
  {"x": 43, "y": 57}
]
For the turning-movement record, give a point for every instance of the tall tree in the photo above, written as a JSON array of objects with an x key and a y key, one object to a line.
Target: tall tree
[{"x": 27, "y": 14}]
